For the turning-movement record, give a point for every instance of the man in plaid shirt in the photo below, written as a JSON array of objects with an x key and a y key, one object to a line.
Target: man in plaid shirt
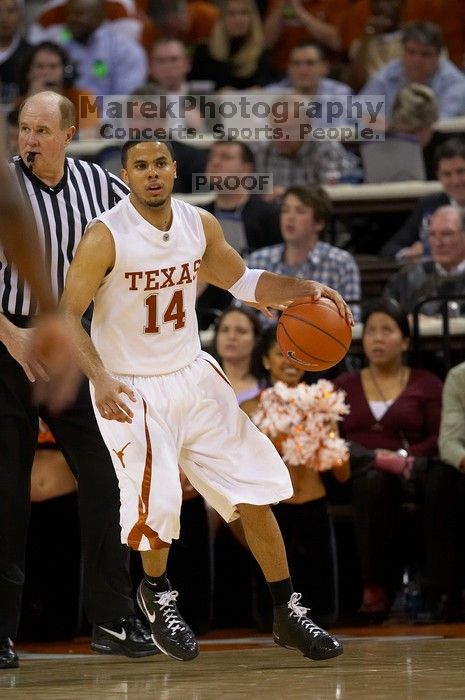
[
  {"x": 295, "y": 158},
  {"x": 305, "y": 212}
]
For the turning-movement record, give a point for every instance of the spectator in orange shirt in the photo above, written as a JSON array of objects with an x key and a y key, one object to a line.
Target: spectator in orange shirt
[
  {"x": 378, "y": 43},
  {"x": 191, "y": 22},
  {"x": 449, "y": 15},
  {"x": 290, "y": 22}
]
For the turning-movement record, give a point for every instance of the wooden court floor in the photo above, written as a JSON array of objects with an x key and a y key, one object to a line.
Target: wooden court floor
[{"x": 378, "y": 664}]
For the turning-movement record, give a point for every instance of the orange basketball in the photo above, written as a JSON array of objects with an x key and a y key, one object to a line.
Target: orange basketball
[{"x": 313, "y": 335}]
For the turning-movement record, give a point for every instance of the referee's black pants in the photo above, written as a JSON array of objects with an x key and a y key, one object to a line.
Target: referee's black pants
[{"x": 107, "y": 584}]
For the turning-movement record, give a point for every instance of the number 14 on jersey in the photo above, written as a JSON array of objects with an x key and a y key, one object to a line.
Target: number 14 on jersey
[{"x": 174, "y": 312}]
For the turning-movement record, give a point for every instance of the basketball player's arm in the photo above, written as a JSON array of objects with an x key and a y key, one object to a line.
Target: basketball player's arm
[
  {"x": 95, "y": 256},
  {"x": 223, "y": 267}
]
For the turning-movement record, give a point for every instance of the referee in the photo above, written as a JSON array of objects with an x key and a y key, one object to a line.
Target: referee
[
  {"x": 64, "y": 195},
  {"x": 52, "y": 339}
]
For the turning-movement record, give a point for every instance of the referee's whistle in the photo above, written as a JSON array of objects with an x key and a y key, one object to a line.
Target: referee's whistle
[{"x": 30, "y": 158}]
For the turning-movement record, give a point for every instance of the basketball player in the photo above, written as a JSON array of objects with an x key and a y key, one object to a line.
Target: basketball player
[
  {"x": 160, "y": 400},
  {"x": 51, "y": 342}
]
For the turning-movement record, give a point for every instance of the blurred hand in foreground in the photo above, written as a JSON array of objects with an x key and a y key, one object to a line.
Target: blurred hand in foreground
[{"x": 53, "y": 347}]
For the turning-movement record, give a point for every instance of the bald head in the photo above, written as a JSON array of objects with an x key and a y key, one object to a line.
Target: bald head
[
  {"x": 289, "y": 123},
  {"x": 454, "y": 216},
  {"x": 53, "y": 105},
  {"x": 447, "y": 237},
  {"x": 45, "y": 130}
]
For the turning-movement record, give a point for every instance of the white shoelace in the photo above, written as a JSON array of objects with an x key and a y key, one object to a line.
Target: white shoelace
[
  {"x": 300, "y": 612},
  {"x": 166, "y": 601}
]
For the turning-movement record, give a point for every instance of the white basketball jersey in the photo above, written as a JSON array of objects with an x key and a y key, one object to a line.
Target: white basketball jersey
[{"x": 144, "y": 320}]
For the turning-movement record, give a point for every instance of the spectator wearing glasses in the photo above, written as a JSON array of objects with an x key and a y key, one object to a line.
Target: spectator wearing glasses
[
  {"x": 444, "y": 274},
  {"x": 411, "y": 240}
]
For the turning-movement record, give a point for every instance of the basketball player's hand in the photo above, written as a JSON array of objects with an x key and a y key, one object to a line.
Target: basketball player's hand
[
  {"x": 52, "y": 347},
  {"x": 268, "y": 310},
  {"x": 109, "y": 401},
  {"x": 18, "y": 344},
  {"x": 321, "y": 290}
]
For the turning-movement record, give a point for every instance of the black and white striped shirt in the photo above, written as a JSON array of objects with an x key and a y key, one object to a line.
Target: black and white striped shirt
[{"x": 61, "y": 213}]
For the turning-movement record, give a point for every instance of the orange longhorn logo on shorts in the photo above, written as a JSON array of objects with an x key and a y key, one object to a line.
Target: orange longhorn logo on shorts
[{"x": 120, "y": 454}]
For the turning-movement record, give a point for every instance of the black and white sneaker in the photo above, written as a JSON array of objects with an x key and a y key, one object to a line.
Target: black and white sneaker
[
  {"x": 127, "y": 636},
  {"x": 294, "y": 630},
  {"x": 170, "y": 632},
  {"x": 8, "y": 655}
]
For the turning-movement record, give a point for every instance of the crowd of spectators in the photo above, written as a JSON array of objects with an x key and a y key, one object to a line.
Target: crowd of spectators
[
  {"x": 276, "y": 53},
  {"x": 287, "y": 55}
]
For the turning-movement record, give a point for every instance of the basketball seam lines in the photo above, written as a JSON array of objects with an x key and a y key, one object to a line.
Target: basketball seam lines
[
  {"x": 305, "y": 352},
  {"x": 313, "y": 325}
]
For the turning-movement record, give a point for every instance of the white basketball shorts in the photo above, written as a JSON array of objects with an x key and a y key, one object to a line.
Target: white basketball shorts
[{"x": 189, "y": 418}]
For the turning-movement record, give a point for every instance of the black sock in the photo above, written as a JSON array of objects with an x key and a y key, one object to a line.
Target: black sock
[
  {"x": 157, "y": 583},
  {"x": 281, "y": 591}
]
